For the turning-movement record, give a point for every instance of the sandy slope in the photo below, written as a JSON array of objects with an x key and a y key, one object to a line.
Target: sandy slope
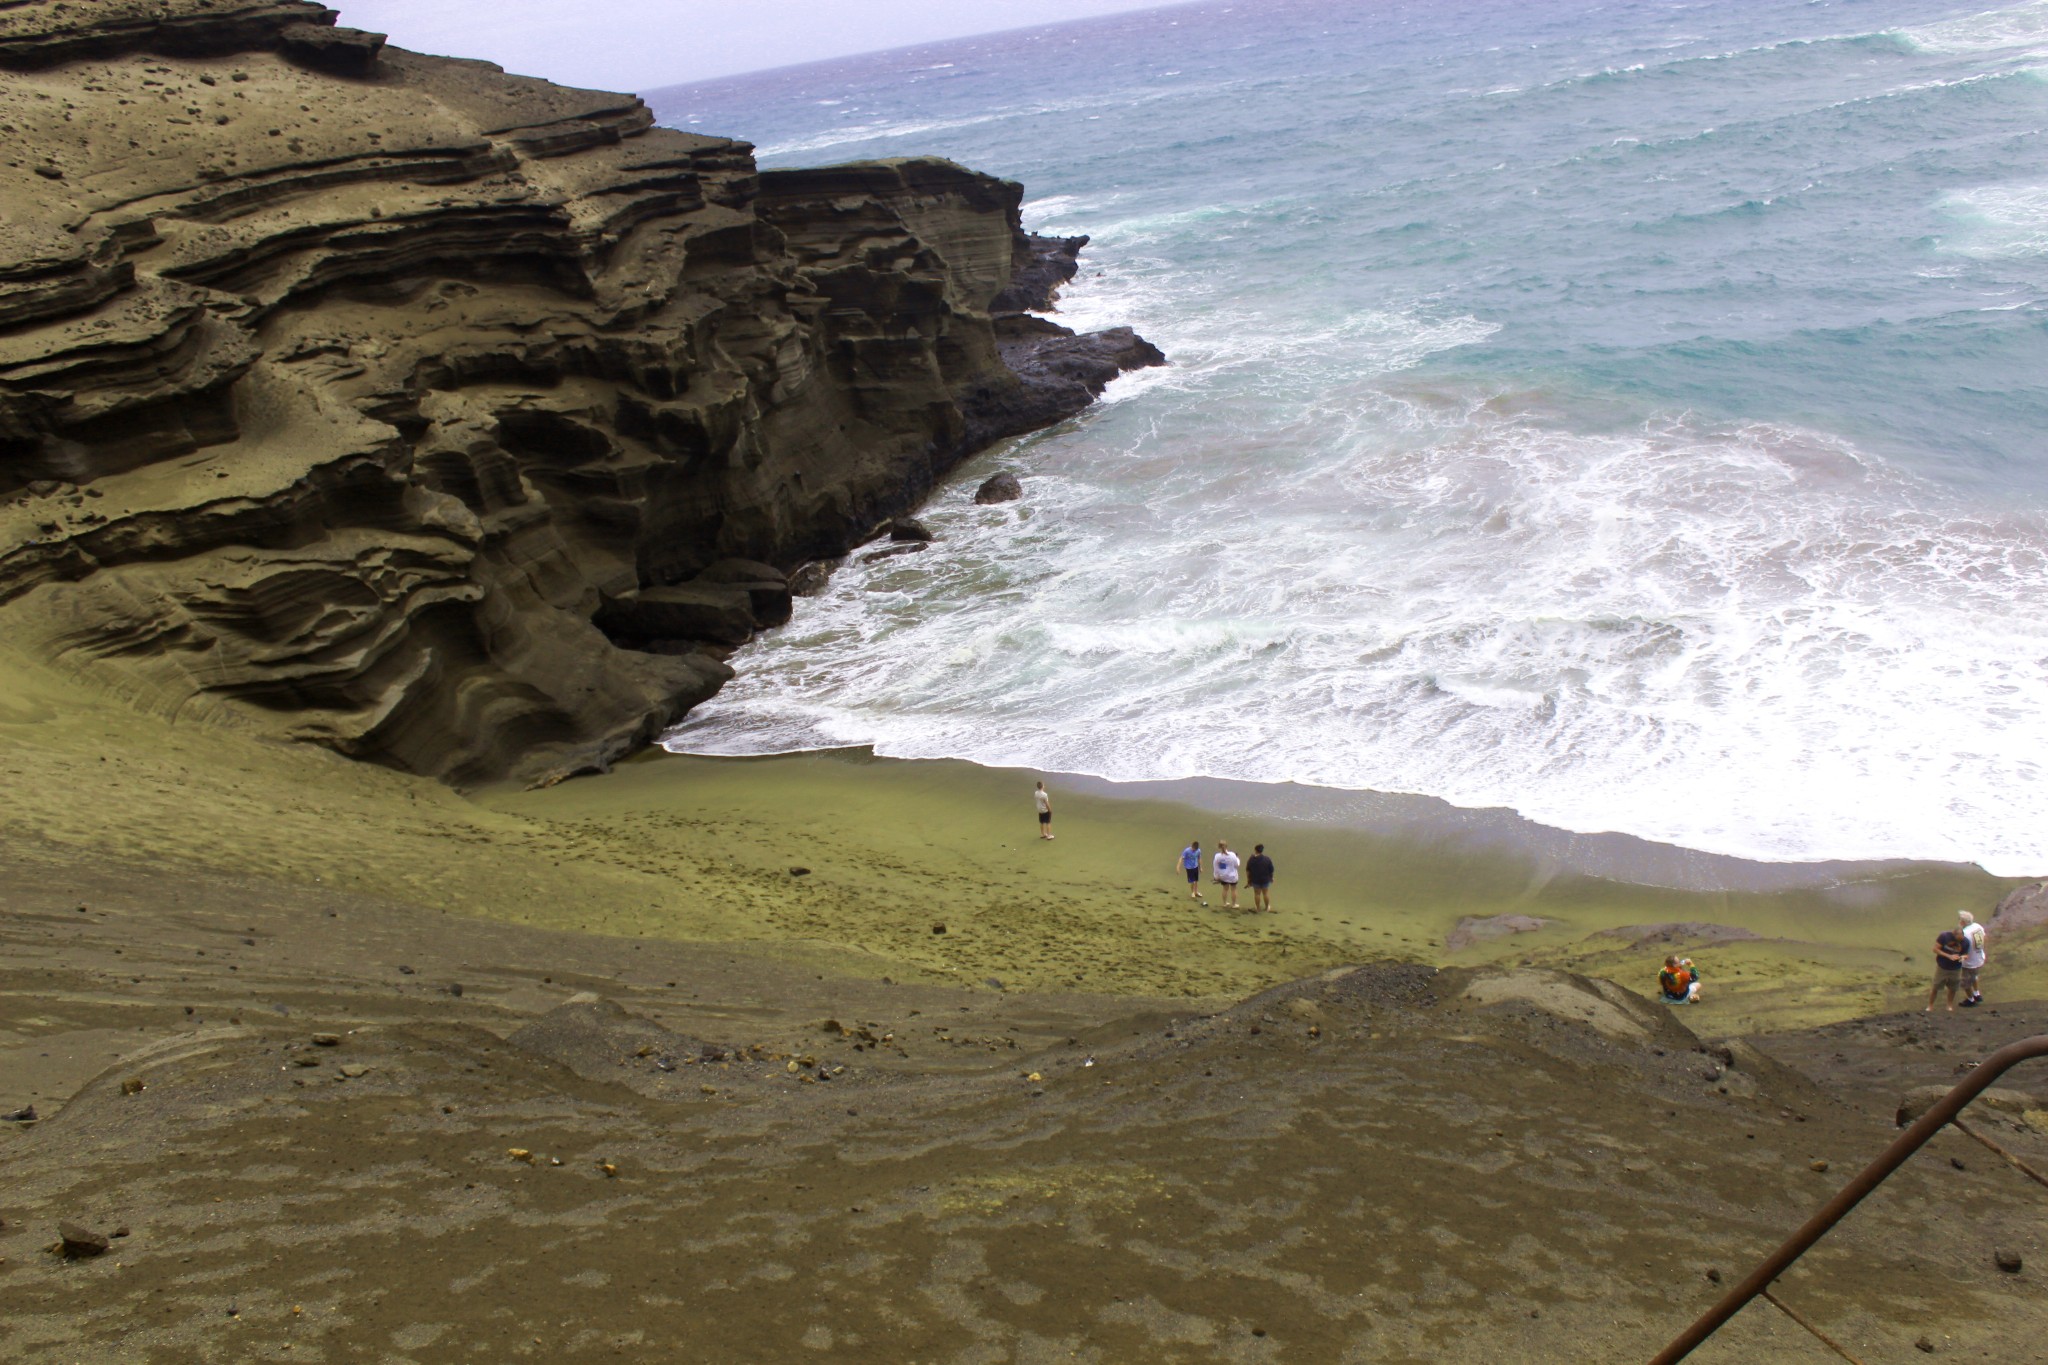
[{"x": 1389, "y": 1169}]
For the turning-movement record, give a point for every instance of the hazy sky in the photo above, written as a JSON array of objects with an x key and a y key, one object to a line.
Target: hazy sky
[{"x": 646, "y": 44}]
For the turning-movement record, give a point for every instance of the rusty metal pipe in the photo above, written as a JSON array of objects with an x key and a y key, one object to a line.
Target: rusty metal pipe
[{"x": 1831, "y": 1213}]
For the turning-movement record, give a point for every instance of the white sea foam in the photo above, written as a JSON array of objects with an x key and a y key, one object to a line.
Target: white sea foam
[
  {"x": 1393, "y": 518},
  {"x": 1998, "y": 220},
  {"x": 2018, "y": 29},
  {"x": 1724, "y": 637}
]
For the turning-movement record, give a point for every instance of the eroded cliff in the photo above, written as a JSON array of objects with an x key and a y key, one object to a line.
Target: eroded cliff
[{"x": 453, "y": 419}]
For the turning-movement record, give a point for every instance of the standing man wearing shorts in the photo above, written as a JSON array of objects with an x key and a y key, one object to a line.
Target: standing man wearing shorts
[
  {"x": 1259, "y": 871},
  {"x": 1973, "y": 958},
  {"x": 1949, "y": 947},
  {"x": 1226, "y": 873},
  {"x": 1044, "y": 800},
  {"x": 1191, "y": 863}
]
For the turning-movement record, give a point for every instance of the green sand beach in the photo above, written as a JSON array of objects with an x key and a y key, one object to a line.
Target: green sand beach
[{"x": 702, "y": 849}]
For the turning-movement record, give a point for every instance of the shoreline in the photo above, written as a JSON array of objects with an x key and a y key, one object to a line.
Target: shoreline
[
  {"x": 686, "y": 849},
  {"x": 892, "y": 845}
]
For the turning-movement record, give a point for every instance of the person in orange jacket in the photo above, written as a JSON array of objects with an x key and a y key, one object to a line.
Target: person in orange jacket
[{"x": 1680, "y": 981}]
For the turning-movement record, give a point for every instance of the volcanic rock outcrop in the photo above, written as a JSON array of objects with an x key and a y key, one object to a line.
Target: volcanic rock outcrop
[{"x": 453, "y": 419}]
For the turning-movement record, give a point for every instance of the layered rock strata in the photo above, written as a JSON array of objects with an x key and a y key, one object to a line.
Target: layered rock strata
[{"x": 453, "y": 419}]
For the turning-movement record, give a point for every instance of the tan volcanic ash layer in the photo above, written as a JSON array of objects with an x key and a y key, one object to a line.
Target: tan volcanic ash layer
[
  {"x": 454, "y": 419},
  {"x": 430, "y": 429}
]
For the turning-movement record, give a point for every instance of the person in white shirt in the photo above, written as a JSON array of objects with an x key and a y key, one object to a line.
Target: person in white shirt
[
  {"x": 1226, "y": 872},
  {"x": 1043, "y": 799},
  {"x": 1973, "y": 960}
]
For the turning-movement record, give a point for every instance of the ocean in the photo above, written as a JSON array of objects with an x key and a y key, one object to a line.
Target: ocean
[{"x": 1629, "y": 414}]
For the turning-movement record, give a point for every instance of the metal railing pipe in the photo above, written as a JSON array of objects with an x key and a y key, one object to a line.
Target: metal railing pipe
[{"x": 1831, "y": 1213}]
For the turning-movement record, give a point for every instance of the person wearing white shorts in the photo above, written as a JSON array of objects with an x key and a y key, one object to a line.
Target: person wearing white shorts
[{"x": 1225, "y": 870}]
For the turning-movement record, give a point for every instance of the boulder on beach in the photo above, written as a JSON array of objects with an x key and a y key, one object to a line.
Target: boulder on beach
[{"x": 999, "y": 488}]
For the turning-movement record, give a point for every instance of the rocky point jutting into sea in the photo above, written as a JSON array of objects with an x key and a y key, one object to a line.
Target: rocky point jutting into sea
[{"x": 454, "y": 419}]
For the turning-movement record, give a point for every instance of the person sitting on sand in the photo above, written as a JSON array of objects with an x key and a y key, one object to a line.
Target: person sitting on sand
[
  {"x": 1680, "y": 981},
  {"x": 1191, "y": 863},
  {"x": 1226, "y": 873},
  {"x": 1259, "y": 872},
  {"x": 1044, "y": 800},
  {"x": 1973, "y": 958},
  {"x": 1950, "y": 948}
]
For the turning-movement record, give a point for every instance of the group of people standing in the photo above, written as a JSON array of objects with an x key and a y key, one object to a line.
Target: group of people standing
[
  {"x": 1958, "y": 958},
  {"x": 1226, "y": 868}
]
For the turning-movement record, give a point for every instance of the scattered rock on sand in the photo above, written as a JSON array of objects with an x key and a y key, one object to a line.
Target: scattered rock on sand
[
  {"x": 799, "y": 872},
  {"x": 134, "y": 1085},
  {"x": 327, "y": 1040},
  {"x": 1473, "y": 929},
  {"x": 999, "y": 488},
  {"x": 2008, "y": 1260},
  {"x": 25, "y": 1114},
  {"x": 79, "y": 1242}
]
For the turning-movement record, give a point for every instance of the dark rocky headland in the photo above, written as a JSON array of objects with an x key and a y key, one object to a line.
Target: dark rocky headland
[{"x": 453, "y": 419}]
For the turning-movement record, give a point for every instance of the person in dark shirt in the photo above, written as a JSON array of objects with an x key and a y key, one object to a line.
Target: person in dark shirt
[
  {"x": 1950, "y": 947},
  {"x": 1259, "y": 872}
]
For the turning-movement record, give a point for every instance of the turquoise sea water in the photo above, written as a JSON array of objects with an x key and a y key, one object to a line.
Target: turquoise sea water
[{"x": 1631, "y": 414}]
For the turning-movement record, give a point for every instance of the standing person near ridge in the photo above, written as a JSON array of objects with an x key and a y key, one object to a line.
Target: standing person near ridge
[
  {"x": 1043, "y": 798},
  {"x": 1226, "y": 873},
  {"x": 1973, "y": 958},
  {"x": 1191, "y": 863},
  {"x": 1259, "y": 872},
  {"x": 1949, "y": 948}
]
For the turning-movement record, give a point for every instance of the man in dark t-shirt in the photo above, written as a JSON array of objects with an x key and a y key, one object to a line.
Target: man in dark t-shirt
[
  {"x": 1259, "y": 872},
  {"x": 1949, "y": 949}
]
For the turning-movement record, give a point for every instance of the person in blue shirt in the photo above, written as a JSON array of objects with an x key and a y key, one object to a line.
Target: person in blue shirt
[{"x": 1191, "y": 863}]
